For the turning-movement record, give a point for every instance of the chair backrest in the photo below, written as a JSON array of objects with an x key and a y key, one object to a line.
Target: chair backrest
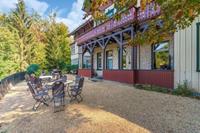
[
  {"x": 64, "y": 78},
  {"x": 58, "y": 89},
  {"x": 81, "y": 82},
  {"x": 31, "y": 88},
  {"x": 77, "y": 79}
]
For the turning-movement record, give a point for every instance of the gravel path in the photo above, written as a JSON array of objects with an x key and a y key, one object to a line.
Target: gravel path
[{"x": 107, "y": 107}]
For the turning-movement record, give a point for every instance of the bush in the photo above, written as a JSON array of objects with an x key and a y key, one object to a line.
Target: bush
[
  {"x": 183, "y": 90},
  {"x": 152, "y": 88},
  {"x": 34, "y": 69},
  {"x": 71, "y": 68}
]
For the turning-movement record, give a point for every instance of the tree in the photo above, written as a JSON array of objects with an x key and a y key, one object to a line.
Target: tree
[
  {"x": 57, "y": 48},
  {"x": 175, "y": 14},
  {"x": 8, "y": 52},
  {"x": 38, "y": 29},
  {"x": 20, "y": 22}
]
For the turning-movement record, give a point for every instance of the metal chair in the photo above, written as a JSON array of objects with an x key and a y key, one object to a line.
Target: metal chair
[
  {"x": 76, "y": 90},
  {"x": 58, "y": 93},
  {"x": 40, "y": 97}
]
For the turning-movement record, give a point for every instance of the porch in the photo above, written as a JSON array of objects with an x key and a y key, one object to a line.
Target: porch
[{"x": 112, "y": 58}]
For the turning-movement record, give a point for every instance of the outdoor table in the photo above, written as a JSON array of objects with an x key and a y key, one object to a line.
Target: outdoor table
[{"x": 46, "y": 77}]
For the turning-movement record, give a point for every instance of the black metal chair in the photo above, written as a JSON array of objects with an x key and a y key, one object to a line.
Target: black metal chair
[
  {"x": 58, "y": 93},
  {"x": 76, "y": 90},
  {"x": 40, "y": 97}
]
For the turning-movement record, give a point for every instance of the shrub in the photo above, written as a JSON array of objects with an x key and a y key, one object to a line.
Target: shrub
[
  {"x": 183, "y": 90},
  {"x": 34, "y": 69}
]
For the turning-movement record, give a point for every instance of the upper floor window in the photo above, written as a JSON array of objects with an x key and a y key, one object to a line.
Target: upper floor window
[
  {"x": 198, "y": 47},
  {"x": 110, "y": 11},
  {"x": 161, "y": 56}
]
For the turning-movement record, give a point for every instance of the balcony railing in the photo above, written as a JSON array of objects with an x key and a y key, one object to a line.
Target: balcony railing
[{"x": 112, "y": 24}]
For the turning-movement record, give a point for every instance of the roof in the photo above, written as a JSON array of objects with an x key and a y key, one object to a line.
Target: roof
[{"x": 82, "y": 25}]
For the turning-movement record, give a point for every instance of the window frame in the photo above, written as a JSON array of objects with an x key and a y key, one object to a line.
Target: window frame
[
  {"x": 198, "y": 47},
  {"x": 107, "y": 59},
  {"x": 153, "y": 59},
  {"x": 99, "y": 53}
]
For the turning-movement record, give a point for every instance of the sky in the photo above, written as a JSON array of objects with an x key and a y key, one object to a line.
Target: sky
[{"x": 68, "y": 11}]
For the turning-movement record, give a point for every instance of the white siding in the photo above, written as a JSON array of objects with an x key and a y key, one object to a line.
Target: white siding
[
  {"x": 145, "y": 57},
  {"x": 185, "y": 57}
]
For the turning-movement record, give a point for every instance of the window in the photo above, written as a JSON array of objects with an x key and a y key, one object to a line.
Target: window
[
  {"x": 110, "y": 11},
  {"x": 99, "y": 61},
  {"x": 198, "y": 47},
  {"x": 87, "y": 60},
  {"x": 109, "y": 59},
  {"x": 161, "y": 57}
]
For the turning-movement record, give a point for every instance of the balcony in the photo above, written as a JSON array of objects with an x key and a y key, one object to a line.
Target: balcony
[{"x": 112, "y": 24}]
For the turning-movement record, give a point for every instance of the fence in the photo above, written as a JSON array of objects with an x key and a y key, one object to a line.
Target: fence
[{"x": 8, "y": 82}]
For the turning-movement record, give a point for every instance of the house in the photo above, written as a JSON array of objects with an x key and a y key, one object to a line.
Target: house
[{"x": 113, "y": 58}]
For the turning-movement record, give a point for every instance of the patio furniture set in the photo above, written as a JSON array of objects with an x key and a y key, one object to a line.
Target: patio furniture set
[{"x": 60, "y": 87}]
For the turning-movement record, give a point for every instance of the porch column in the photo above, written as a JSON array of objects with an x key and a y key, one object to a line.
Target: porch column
[
  {"x": 80, "y": 56},
  {"x": 104, "y": 58},
  {"x": 92, "y": 62},
  {"x": 120, "y": 57}
]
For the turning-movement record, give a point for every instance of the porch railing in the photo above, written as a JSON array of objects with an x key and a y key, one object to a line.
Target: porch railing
[
  {"x": 112, "y": 24},
  {"x": 6, "y": 83},
  {"x": 163, "y": 78},
  {"x": 85, "y": 72},
  {"x": 124, "y": 76}
]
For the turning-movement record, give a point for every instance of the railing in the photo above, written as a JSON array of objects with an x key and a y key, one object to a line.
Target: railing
[
  {"x": 112, "y": 24},
  {"x": 8, "y": 82},
  {"x": 123, "y": 76},
  {"x": 85, "y": 72},
  {"x": 162, "y": 78}
]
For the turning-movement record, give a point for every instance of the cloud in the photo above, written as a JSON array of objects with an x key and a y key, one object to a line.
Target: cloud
[
  {"x": 38, "y": 6},
  {"x": 74, "y": 17},
  {"x": 7, "y": 5}
]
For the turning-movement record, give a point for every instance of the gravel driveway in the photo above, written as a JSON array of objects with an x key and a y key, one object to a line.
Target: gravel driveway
[{"x": 107, "y": 107}]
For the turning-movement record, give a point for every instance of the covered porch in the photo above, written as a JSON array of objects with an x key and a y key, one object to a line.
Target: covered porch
[{"x": 111, "y": 57}]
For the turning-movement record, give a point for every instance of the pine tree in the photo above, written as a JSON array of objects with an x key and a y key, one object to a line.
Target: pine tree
[
  {"x": 57, "y": 49},
  {"x": 20, "y": 22}
]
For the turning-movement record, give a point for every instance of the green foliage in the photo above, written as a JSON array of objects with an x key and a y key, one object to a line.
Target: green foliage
[
  {"x": 27, "y": 39},
  {"x": 8, "y": 52},
  {"x": 183, "y": 90},
  {"x": 175, "y": 15},
  {"x": 20, "y": 22},
  {"x": 57, "y": 48},
  {"x": 71, "y": 68},
  {"x": 152, "y": 88},
  {"x": 33, "y": 68}
]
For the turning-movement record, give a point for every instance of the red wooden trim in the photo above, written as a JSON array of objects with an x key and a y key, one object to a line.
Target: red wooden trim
[
  {"x": 155, "y": 77},
  {"x": 123, "y": 76},
  {"x": 85, "y": 72},
  {"x": 162, "y": 78}
]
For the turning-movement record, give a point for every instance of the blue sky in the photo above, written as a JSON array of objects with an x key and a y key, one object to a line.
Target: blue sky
[{"x": 68, "y": 11}]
